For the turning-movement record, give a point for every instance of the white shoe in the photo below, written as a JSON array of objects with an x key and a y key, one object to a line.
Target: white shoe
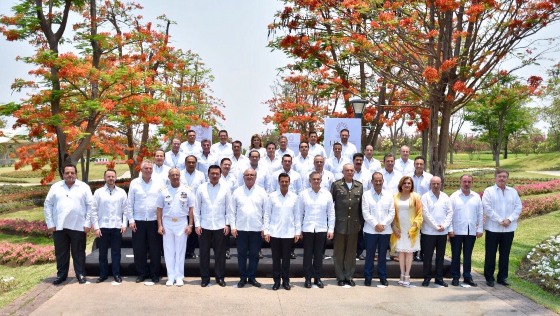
[
  {"x": 179, "y": 282},
  {"x": 169, "y": 282}
]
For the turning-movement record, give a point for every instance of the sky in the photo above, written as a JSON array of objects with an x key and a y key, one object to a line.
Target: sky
[{"x": 231, "y": 37}]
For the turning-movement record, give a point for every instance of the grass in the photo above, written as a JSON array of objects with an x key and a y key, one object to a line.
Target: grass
[
  {"x": 26, "y": 278},
  {"x": 517, "y": 163},
  {"x": 529, "y": 233},
  {"x": 31, "y": 214}
]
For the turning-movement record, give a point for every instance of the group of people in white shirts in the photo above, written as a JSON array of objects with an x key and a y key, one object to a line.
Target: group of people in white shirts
[{"x": 157, "y": 202}]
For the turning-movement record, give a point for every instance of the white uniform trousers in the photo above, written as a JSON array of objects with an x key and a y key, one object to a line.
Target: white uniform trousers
[{"x": 174, "y": 246}]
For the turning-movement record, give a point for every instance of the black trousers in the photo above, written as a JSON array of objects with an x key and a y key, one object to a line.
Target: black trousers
[
  {"x": 110, "y": 238},
  {"x": 216, "y": 240},
  {"x": 344, "y": 255},
  {"x": 313, "y": 246},
  {"x": 497, "y": 242},
  {"x": 66, "y": 242},
  {"x": 431, "y": 243},
  {"x": 281, "y": 249},
  {"x": 460, "y": 243},
  {"x": 146, "y": 238},
  {"x": 192, "y": 243}
]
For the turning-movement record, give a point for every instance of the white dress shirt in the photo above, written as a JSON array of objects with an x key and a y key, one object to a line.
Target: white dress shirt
[
  {"x": 213, "y": 206},
  {"x": 187, "y": 149},
  {"x": 240, "y": 164},
  {"x": 222, "y": 150},
  {"x": 405, "y": 168},
  {"x": 372, "y": 165},
  {"x": 348, "y": 151},
  {"x": 500, "y": 205},
  {"x": 327, "y": 179},
  {"x": 436, "y": 211},
  {"x": 203, "y": 162},
  {"x": 110, "y": 208},
  {"x": 391, "y": 180},
  {"x": 161, "y": 172},
  {"x": 175, "y": 202},
  {"x": 247, "y": 211},
  {"x": 68, "y": 207},
  {"x": 175, "y": 160},
  {"x": 262, "y": 175},
  {"x": 273, "y": 165},
  {"x": 295, "y": 181},
  {"x": 303, "y": 165},
  {"x": 192, "y": 180},
  {"x": 142, "y": 197},
  {"x": 316, "y": 211},
  {"x": 364, "y": 176},
  {"x": 422, "y": 182},
  {"x": 232, "y": 180},
  {"x": 261, "y": 151},
  {"x": 280, "y": 216},
  {"x": 317, "y": 149},
  {"x": 467, "y": 213},
  {"x": 335, "y": 165},
  {"x": 378, "y": 208},
  {"x": 280, "y": 153}
]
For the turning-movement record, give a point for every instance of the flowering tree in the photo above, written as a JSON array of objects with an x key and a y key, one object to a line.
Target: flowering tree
[
  {"x": 439, "y": 51},
  {"x": 116, "y": 82}
]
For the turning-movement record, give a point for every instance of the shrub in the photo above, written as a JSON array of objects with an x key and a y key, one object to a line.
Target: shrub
[
  {"x": 25, "y": 254},
  {"x": 542, "y": 265},
  {"x": 538, "y": 188},
  {"x": 24, "y": 227},
  {"x": 7, "y": 283},
  {"x": 540, "y": 206}
]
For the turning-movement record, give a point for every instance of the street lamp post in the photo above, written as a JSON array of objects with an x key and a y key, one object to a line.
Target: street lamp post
[{"x": 358, "y": 105}]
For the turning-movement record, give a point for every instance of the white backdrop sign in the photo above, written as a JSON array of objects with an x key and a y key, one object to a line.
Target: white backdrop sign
[
  {"x": 203, "y": 133},
  {"x": 333, "y": 126},
  {"x": 293, "y": 141}
]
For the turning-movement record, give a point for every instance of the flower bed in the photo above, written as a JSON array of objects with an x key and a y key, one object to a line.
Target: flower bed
[
  {"x": 24, "y": 227},
  {"x": 542, "y": 265},
  {"x": 538, "y": 188},
  {"x": 25, "y": 254},
  {"x": 540, "y": 206}
]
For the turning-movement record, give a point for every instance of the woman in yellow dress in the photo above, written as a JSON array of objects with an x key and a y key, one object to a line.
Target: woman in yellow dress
[{"x": 406, "y": 227}]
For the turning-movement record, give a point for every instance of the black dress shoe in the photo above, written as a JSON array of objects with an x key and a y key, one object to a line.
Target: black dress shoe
[
  {"x": 293, "y": 255},
  {"x": 351, "y": 282},
  {"x": 286, "y": 286},
  {"x": 307, "y": 284},
  {"x": 490, "y": 283},
  {"x": 118, "y": 279},
  {"x": 416, "y": 258},
  {"x": 261, "y": 255},
  {"x": 81, "y": 279},
  {"x": 228, "y": 256},
  {"x": 204, "y": 283},
  {"x": 254, "y": 283},
  {"x": 319, "y": 283},
  {"x": 441, "y": 283},
  {"x": 241, "y": 283},
  {"x": 384, "y": 282},
  {"x": 221, "y": 282},
  {"x": 155, "y": 279},
  {"x": 367, "y": 282},
  {"x": 58, "y": 281},
  {"x": 470, "y": 282},
  {"x": 341, "y": 283},
  {"x": 455, "y": 282},
  {"x": 504, "y": 282},
  {"x": 140, "y": 278},
  {"x": 100, "y": 279},
  {"x": 426, "y": 282},
  {"x": 276, "y": 286}
]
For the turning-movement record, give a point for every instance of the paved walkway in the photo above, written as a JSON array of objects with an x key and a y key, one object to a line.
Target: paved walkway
[{"x": 132, "y": 298}]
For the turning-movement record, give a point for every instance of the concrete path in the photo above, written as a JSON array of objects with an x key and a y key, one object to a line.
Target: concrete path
[{"x": 139, "y": 299}]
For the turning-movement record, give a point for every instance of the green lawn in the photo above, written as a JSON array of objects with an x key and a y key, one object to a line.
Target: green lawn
[
  {"x": 26, "y": 278},
  {"x": 529, "y": 233},
  {"x": 31, "y": 214},
  {"x": 95, "y": 172}
]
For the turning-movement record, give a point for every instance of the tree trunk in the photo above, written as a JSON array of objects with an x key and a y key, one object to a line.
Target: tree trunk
[{"x": 506, "y": 147}]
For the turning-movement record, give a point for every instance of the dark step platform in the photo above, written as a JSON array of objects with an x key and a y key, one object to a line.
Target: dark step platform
[{"x": 264, "y": 268}]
